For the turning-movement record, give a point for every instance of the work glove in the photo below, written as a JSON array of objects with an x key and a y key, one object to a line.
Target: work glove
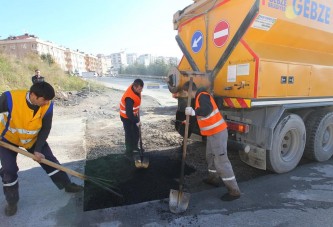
[
  {"x": 139, "y": 124},
  {"x": 189, "y": 111}
]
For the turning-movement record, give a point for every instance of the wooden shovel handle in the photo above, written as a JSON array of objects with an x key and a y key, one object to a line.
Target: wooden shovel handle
[
  {"x": 43, "y": 160},
  {"x": 187, "y": 123}
]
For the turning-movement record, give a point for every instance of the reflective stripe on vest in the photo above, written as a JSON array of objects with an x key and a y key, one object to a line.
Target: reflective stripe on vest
[
  {"x": 135, "y": 109},
  {"x": 129, "y": 93},
  {"x": 210, "y": 115},
  {"x": 214, "y": 122},
  {"x": 2, "y": 119},
  {"x": 220, "y": 122},
  {"x": 19, "y": 130}
]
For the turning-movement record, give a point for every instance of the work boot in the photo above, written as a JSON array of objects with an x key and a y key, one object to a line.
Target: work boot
[
  {"x": 213, "y": 179},
  {"x": 11, "y": 209},
  {"x": 73, "y": 188},
  {"x": 227, "y": 197},
  {"x": 233, "y": 191}
]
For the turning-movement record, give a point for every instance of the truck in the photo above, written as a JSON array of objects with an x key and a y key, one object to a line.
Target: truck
[{"x": 269, "y": 66}]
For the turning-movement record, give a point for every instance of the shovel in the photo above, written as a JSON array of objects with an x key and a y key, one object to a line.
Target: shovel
[
  {"x": 178, "y": 200},
  {"x": 103, "y": 183},
  {"x": 140, "y": 160}
]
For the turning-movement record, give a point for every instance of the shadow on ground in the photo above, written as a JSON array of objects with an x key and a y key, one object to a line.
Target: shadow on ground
[{"x": 136, "y": 185}]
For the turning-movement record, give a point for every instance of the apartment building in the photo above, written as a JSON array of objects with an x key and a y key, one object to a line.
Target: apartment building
[
  {"x": 131, "y": 58},
  {"x": 103, "y": 65},
  {"x": 72, "y": 61},
  {"x": 91, "y": 62},
  {"x": 75, "y": 61},
  {"x": 119, "y": 60},
  {"x": 22, "y": 45},
  {"x": 145, "y": 59}
]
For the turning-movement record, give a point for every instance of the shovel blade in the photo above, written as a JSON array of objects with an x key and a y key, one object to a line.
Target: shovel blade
[
  {"x": 178, "y": 201},
  {"x": 141, "y": 163}
]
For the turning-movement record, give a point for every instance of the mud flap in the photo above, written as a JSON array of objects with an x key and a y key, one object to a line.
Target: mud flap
[{"x": 256, "y": 157}]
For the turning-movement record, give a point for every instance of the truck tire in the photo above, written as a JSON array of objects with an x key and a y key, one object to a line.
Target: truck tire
[
  {"x": 288, "y": 144},
  {"x": 319, "y": 136}
]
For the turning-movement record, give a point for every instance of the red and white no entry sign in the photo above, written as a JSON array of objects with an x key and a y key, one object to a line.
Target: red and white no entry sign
[{"x": 221, "y": 33}]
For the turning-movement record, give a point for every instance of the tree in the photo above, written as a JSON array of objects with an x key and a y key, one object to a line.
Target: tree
[
  {"x": 121, "y": 70},
  {"x": 158, "y": 68},
  {"x": 136, "y": 69},
  {"x": 47, "y": 58}
]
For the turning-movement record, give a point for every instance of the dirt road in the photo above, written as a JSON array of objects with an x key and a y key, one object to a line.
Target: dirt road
[{"x": 105, "y": 140}]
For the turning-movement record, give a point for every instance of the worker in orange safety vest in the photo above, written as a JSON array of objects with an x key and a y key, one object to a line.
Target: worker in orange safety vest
[
  {"x": 129, "y": 115},
  {"x": 213, "y": 126}
]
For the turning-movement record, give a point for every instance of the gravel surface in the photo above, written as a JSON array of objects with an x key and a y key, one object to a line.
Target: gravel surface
[
  {"x": 105, "y": 134},
  {"x": 105, "y": 129}
]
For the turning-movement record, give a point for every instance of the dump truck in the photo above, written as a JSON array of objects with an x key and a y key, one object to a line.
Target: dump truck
[{"x": 269, "y": 66}]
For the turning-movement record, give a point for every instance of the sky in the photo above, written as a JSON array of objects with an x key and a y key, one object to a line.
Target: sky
[{"x": 97, "y": 26}]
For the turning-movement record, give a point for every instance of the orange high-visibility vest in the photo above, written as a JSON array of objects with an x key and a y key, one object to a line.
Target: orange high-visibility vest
[
  {"x": 19, "y": 125},
  {"x": 214, "y": 122},
  {"x": 129, "y": 93}
]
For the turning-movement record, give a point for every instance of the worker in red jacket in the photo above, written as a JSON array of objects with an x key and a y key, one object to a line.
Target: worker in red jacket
[
  {"x": 129, "y": 115},
  {"x": 213, "y": 126}
]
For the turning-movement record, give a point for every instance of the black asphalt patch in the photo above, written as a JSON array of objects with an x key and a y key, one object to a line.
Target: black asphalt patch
[{"x": 136, "y": 185}]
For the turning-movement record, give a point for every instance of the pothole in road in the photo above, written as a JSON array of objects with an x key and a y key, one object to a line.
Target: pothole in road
[{"x": 136, "y": 185}]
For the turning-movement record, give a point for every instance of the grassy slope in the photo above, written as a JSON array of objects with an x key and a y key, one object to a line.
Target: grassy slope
[{"x": 16, "y": 74}]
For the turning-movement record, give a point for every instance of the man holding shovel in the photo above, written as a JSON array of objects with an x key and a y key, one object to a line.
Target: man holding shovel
[
  {"x": 25, "y": 121},
  {"x": 129, "y": 115},
  {"x": 212, "y": 125}
]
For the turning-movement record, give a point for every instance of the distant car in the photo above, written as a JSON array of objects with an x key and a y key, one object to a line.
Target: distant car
[{"x": 89, "y": 74}]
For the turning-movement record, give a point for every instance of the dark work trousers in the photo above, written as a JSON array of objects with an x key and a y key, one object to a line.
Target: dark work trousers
[
  {"x": 131, "y": 134},
  {"x": 9, "y": 170}
]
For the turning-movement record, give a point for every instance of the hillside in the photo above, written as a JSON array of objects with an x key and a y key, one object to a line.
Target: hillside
[{"x": 16, "y": 74}]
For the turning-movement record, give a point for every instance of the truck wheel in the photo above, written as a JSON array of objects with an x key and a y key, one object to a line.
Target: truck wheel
[
  {"x": 288, "y": 144},
  {"x": 319, "y": 136}
]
